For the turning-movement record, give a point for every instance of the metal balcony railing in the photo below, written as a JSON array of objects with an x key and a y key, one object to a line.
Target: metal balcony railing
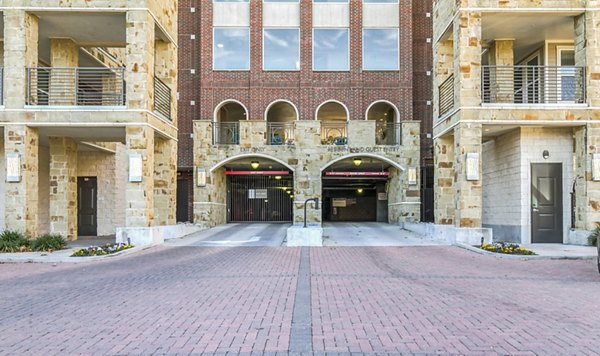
[
  {"x": 387, "y": 133},
  {"x": 226, "y": 133},
  {"x": 280, "y": 133},
  {"x": 446, "y": 95},
  {"x": 162, "y": 98},
  {"x": 533, "y": 84},
  {"x": 54, "y": 86},
  {"x": 334, "y": 133}
]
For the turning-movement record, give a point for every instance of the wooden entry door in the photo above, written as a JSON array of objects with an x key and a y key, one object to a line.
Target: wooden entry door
[
  {"x": 546, "y": 203},
  {"x": 87, "y": 207}
]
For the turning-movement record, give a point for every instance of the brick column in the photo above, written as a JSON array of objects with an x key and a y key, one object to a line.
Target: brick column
[
  {"x": 140, "y": 195},
  {"x": 63, "y": 187},
  {"x": 467, "y": 58},
  {"x": 21, "y": 199},
  {"x": 139, "y": 73},
  {"x": 468, "y": 196},
  {"x": 20, "y": 51},
  {"x": 165, "y": 181},
  {"x": 166, "y": 70},
  {"x": 64, "y": 53},
  {"x": 443, "y": 184}
]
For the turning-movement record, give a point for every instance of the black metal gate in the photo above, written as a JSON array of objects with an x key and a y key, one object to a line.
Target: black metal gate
[{"x": 260, "y": 198}]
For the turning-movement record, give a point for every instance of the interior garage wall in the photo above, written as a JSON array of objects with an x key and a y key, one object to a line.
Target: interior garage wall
[
  {"x": 43, "y": 190},
  {"x": 502, "y": 186},
  {"x": 109, "y": 169}
]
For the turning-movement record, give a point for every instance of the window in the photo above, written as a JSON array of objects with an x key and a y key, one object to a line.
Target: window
[
  {"x": 296, "y": 1},
  {"x": 380, "y": 49},
  {"x": 281, "y": 48},
  {"x": 230, "y": 0},
  {"x": 330, "y": 49},
  {"x": 338, "y": 1},
  {"x": 380, "y": 1},
  {"x": 231, "y": 49}
]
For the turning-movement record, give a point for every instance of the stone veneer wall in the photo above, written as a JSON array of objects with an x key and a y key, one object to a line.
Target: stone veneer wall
[
  {"x": 2, "y": 181},
  {"x": 44, "y": 190}
]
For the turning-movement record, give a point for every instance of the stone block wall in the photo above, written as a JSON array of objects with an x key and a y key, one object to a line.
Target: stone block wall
[{"x": 2, "y": 182}]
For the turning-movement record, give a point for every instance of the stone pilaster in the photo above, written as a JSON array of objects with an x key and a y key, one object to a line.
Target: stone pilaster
[
  {"x": 139, "y": 73},
  {"x": 140, "y": 195},
  {"x": 64, "y": 53},
  {"x": 21, "y": 199},
  {"x": 467, "y": 58},
  {"x": 587, "y": 191},
  {"x": 166, "y": 69},
  {"x": 361, "y": 133},
  {"x": 20, "y": 52},
  {"x": 306, "y": 186},
  {"x": 468, "y": 198},
  {"x": 443, "y": 183},
  {"x": 252, "y": 133},
  {"x": 443, "y": 54},
  {"x": 165, "y": 181},
  {"x": 587, "y": 52},
  {"x": 63, "y": 187},
  {"x": 503, "y": 90},
  {"x": 307, "y": 133}
]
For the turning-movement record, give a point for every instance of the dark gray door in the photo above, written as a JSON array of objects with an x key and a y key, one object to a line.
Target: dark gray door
[
  {"x": 546, "y": 203},
  {"x": 87, "y": 208}
]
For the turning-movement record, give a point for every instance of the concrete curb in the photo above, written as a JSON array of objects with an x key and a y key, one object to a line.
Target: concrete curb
[
  {"x": 521, "y": 257},
  {"x": 67, "y": 256}
]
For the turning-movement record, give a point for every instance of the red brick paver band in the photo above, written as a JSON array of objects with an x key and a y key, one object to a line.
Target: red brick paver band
[{"x": 388, "y": 300}]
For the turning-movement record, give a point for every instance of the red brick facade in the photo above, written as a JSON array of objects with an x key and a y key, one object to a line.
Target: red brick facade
[{"x": 409, "y": 88}]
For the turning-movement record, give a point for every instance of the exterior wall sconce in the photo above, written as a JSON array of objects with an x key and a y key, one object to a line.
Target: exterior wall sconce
[
  {"x": 472, "y": 164},
  {"x": 200, "y": 177},
  {"x": 13, "y": 167},
  {"x": 254, "y": 164},
  {"x": 596, "y": 167},
  {"x": 412, "y": 176},
  {"x": 357, "y": 161},
  {"x": 545, "y": 154},
  {"x": 135, "y": 167}
]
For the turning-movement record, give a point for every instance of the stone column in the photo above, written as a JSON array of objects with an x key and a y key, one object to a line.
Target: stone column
[
  {"x": 361, "y": 133},
  {"x": 140, "y": 195},
  {"x": 166, "y": 70},
  {"x": 587, "y": 52},
  {"x": 467, "y": 58},
  {"x": 443, "y": 184},
  {"x": 165, "y": 181},
  {"x": 64, "y": 53},
  {"x": 307, "y": 177},
  {"x": 252, "y": 133},
  {"x": 468, "y": 196},
  {"x": 20, "y": 52},
  {"x": 139, "y": 73},
  {"x": 503, "y": 82},
  {"x": 443, "y": 54},
  {"x": 63, "y": 187},
  {"x": 21, "y": 199},
  {"x": 587, "y": 191}
]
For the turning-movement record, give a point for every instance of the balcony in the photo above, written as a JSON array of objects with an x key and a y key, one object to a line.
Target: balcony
[
  {"x": 54, "y": 86},
  {"x": 334, "y": 133},
  {"x": 226, "y": 133},
  {"x": 280, "y": 133},
  {"x": 387, "y": 133},
  {"x": 526, "y": 85},
  {"x": 446, "y": 96}
]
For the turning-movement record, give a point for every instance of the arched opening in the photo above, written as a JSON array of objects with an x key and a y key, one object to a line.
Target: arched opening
[
  {"x": 333, "y": 116},
  {"x": 280, "y": 116},
  {"x": 387, "y": 122},
  {"x": 356, "y": 188},
  {"x": 227, "y": 117},
  {"x": 260, "y": 188}
]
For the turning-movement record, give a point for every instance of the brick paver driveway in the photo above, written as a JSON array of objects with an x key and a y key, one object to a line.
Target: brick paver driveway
[{"x": 170, "y": 300}]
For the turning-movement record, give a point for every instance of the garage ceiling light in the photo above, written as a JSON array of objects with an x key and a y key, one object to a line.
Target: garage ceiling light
[
  {"x": 357, "y": 161},
  {"x": 254, "y": 164},
  {"x": 359, "y": 190}
]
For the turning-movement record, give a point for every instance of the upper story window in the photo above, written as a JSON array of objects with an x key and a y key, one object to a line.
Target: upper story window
[
  {"x": 281, "y": 48},
  {"x": 331, "y": 49},
  {"x": 230, "y": 0},
  {"x": 380, "y": 49},
  {"x": 296, "y": 1},
  {"x": 231, "y": 48},
  {"x": 332, "y": 1},
  {"x": 380, "y": 1}
]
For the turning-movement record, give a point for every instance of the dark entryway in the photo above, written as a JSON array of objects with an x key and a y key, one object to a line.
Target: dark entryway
[
  {"x": 355, "y": 199},
  {"x": 87, "y": 208},
  {"x": 546, "y": 203},
  {"x": 182, "y": 200},
  {"x": 260, "y": 198}
]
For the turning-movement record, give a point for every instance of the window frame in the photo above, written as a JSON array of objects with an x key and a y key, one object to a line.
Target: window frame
[
  {"x": 331, "y": 2},
  {"x": 280, "y": 2},
  {"x": 299, "y": 49},
  {"x": 362, "y": 54},
  {"x": 249, "y": 49},
  {"x": 313, "y": 49},
  {"x": 378, "y": 2},
  {"x": 231, "y": 1}
]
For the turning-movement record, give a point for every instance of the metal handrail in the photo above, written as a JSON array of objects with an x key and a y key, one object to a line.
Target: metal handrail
[
  {"x": 226, "y": 133},
  {"x": 522, "y": 84},
  {"x": 280, "y": 133},
  {"x": 387, "y": 133},
  {"x": 162, "y": 98},
  {"x": 334, "y": 133},
  {"x": 75, "y": 86},
  {"x": 446, "y": 95}
]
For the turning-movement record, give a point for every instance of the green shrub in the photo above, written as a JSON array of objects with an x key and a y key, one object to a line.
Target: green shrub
[
  {"x": 13, "y": 241},
  {"x": 593, "y": 238},
  {"x": 49, "y": 242}
]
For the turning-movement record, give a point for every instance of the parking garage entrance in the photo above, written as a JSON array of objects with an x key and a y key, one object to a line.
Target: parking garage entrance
[{"x": 356, "y": 189}]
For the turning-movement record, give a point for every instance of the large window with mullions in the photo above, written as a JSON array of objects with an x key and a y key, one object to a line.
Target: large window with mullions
[
  {"x": 281, "y": 49},
  {"x": 331, "y": 49},
  {"x": 231, "y": 48},
  {"x": 380, "y": 49}
]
